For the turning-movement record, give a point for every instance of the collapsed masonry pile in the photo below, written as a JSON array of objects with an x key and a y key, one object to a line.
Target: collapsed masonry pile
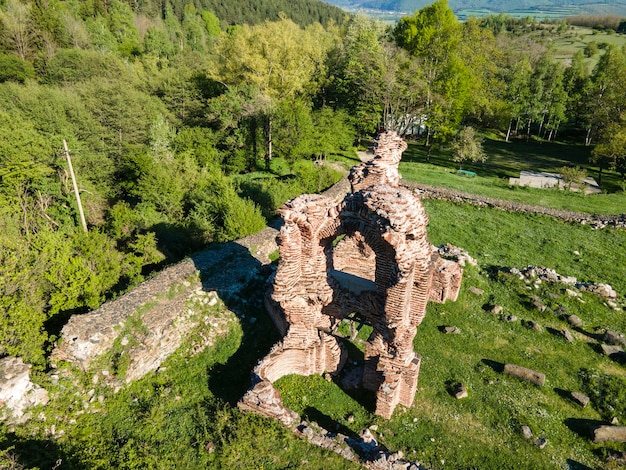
[
  {"x": 530, "y": 273},
  {"x": 367, "y": 257}
]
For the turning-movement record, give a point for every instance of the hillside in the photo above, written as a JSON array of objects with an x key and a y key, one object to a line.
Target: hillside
[
  {"x": 540, "y": 8},
  {"x": 302, "y": 12}
]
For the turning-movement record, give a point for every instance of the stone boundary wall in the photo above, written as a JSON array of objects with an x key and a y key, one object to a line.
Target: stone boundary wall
[{"x": 449, "y": 195}]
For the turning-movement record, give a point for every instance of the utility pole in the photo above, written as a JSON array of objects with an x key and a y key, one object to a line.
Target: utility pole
[{"x": 76, "y": 193}]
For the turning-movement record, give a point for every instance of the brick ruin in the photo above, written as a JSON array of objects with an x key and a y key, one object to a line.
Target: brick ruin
[{"x": 367, "y": 258}]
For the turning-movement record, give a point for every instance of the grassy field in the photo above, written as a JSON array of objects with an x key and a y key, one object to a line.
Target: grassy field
[
  {"x": 575, "y": 39},
  {"x": 506, "y": 160}
]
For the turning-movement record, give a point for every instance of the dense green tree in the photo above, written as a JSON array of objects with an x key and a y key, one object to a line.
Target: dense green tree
[
  {"x": 434, "y": 35},
  {"x": 194, "y": 28},
  {"x": 278, "y": 58},
  {"x": 576, "y": 82},
  {"x": 356, "y": 67},
  {"x": 15, "y": 69},
  {"x": 467, "y": 147}
]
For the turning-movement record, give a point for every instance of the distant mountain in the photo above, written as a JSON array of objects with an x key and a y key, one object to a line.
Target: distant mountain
[{"x": 482, "y": 7}]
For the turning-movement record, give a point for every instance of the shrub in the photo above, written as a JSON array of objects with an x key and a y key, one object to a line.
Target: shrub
[{"x": 13, "y": 68}]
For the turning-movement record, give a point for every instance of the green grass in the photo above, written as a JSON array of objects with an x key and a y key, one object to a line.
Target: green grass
[
  {"x": 507, "y": 160},
  {"x": 576, "y": 38}
]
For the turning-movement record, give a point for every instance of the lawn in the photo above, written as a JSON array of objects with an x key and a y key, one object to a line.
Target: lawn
[{"x": 507, "y": 159}]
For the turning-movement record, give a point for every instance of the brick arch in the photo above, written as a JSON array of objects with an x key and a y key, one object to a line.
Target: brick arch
[{"x": 390, "y": 289}]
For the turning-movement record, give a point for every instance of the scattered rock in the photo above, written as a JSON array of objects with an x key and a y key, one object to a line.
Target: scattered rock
[
  {"x": 457, "y": 254},
  {"x": 607, "y": 433},
  {"x": 602, "y": 290},
  {"x": 575, "y": 321},
  {"x": 17, "y": 391},
  {"x": 526, "y": 432},
  {"x": 450, "y": 330},
  {"x": 614, "y": 352},
  {"x": 615, "y": 420},
  {"x": 209, "y": 447},
  {"x": 460, "y": 391},
  {"x": 554, "y": 296},
  {"x": 609, "y": 350},
  {"x": 579, "y": 398},
  {"x": 562, "y": 311},
  {"x": 541, "y": 442},
  {"x": 567, "y": 335},
  {"x": 350, "y": 418},
  {"x": 572, "y": 293},
  {"x": 533, "y": 376},
  {"x": 538, "y": 303},
  {"x": 497, "y": 309},
  {"x": 532, "y": 325},
  {"x": 476, "y": 290},
  {"x": 614, "y": 338}
]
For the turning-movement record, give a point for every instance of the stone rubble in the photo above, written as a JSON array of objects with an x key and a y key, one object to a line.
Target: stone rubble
[
  {"x": 533, "y": 273},
  {"x": 17, "y": 392}
]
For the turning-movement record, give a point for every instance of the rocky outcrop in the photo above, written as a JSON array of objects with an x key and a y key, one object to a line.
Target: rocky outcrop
[
  {"x": 17, "y": 391},
  {"x": 367, "y": 256}
]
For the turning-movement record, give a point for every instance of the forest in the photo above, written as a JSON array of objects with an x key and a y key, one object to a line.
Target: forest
[{"x": 191, "y": 123}]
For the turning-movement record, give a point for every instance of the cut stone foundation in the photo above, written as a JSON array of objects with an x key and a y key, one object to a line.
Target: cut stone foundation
[{"x": 367, "y": 257}]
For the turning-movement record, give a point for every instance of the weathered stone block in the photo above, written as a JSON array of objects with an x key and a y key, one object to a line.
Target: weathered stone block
[{"x": 538, "y": 378}]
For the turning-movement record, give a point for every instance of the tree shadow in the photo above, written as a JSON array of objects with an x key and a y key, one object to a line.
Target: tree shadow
[{"x": 36, "y": 453}]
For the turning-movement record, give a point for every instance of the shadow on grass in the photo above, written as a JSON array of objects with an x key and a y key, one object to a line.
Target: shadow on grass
[
  {"x": 496, "y": 366},
  {"x": 314, "y": 415},
  {"x": 564, "y": 394},
  {"x": 583, "y": 427},
  {"x": 35, "y": 453},
  {"x": 574, "y": 465},
  {"x": 239, "y": 281}
]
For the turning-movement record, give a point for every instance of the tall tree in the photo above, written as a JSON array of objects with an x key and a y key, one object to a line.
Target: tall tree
[
  {"x": 434, "y": 35},
  {"x": 356, "y": 67},
  {"x": 608, "y": 108},
  {"x": 278, "y": 58},
  {"x": 18, "y": 35}
]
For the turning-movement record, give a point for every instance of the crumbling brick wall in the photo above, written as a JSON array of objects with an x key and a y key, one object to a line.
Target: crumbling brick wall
[{"x": 369, "y": 257}]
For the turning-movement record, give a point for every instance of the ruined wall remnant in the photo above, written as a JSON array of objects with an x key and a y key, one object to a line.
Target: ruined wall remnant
[{"x": 367, "y": 257}]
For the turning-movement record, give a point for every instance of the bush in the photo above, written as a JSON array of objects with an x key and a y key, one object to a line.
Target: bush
[
  {"x": 13, "y": 68},
  {"x": 572, "y": 175},
  {"x": 607, "y": 393},
  {"x": 591, "y": 49},
  {"x": 77, "y": 65}
]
